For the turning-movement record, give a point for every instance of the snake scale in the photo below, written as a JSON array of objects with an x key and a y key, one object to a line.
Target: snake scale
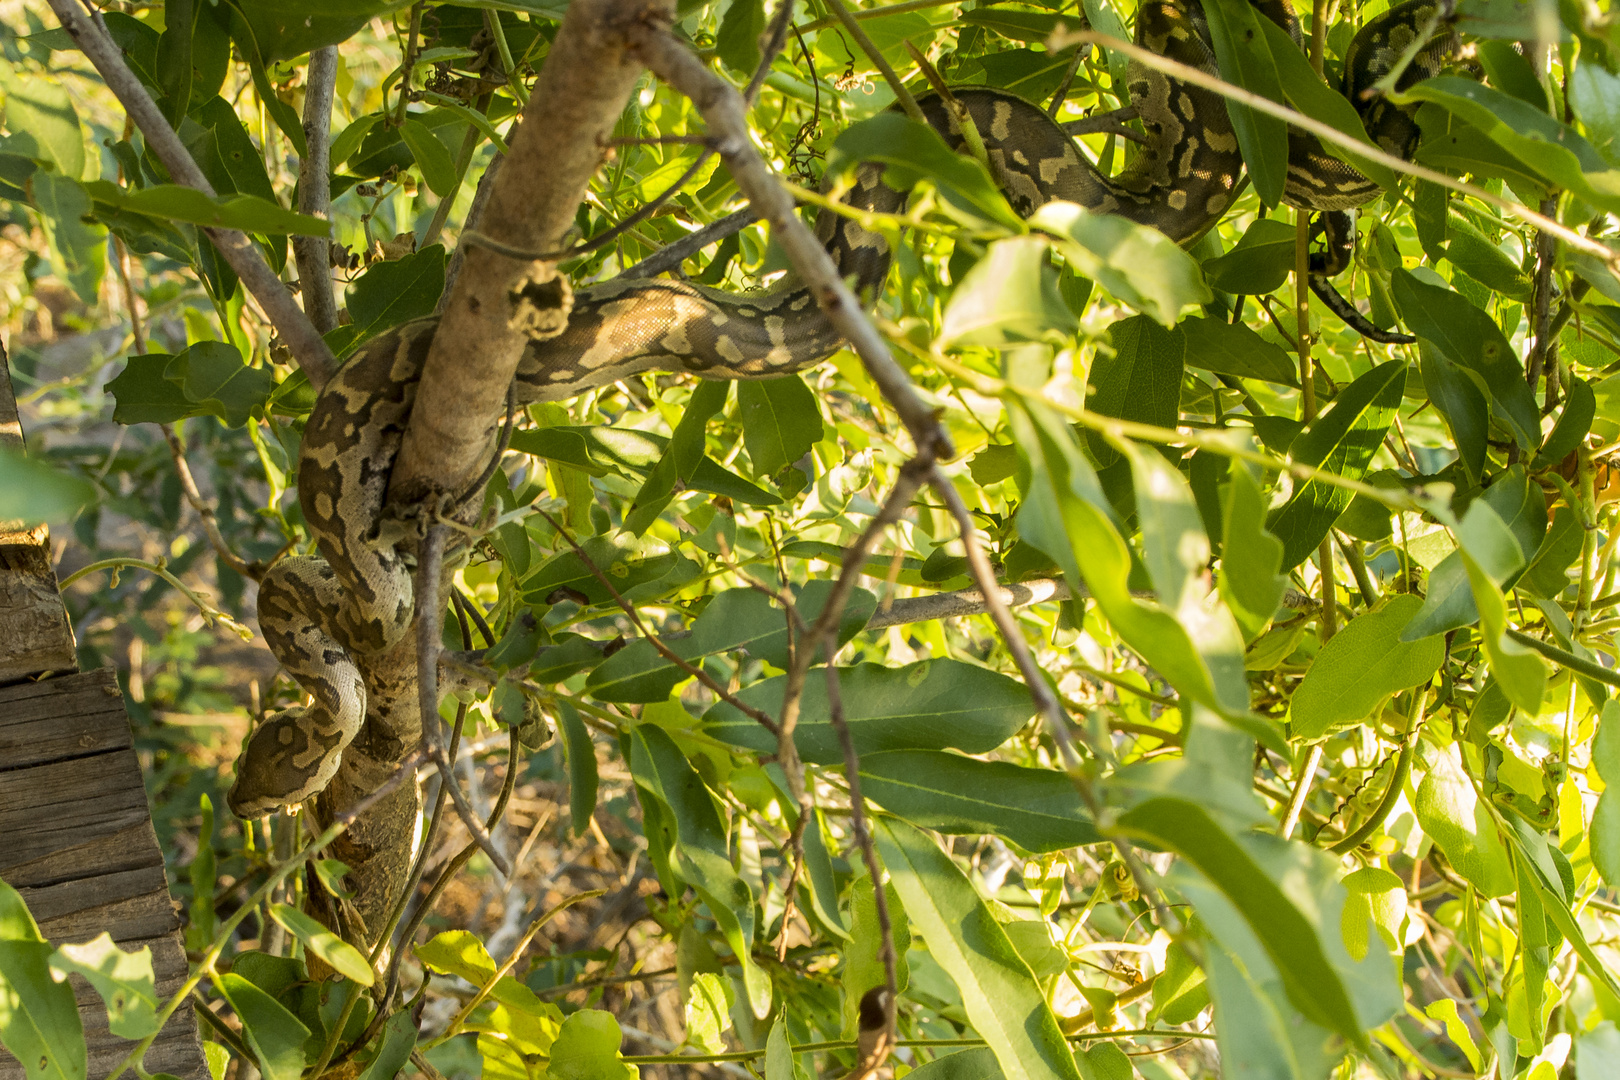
[{"x": 324, "y": 614}]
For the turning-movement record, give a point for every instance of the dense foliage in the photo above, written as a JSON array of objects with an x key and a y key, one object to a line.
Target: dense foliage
[{"x": 1336, "y": 653}]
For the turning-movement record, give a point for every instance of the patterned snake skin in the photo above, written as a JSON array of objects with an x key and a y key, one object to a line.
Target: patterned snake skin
[{"x": 323, "y": 615}]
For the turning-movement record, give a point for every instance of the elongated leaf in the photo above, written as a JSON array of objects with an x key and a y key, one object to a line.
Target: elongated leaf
[
  {"x": 1546, "y": 146},
  {"x": 1140, "y": 380},
  {"x": 1460, "y": 403},
  {"x": 77, "y": 244},
  {"x": 1002, "y": 1000},
  {"x": 1037, "y": 809},
  {"x": 1245, "y": 58},
  {"x": 1295, "y": 946},
  {"x": 863, "y": 964},
  {"x": 735, "y": 619},
  {"x": 587, "y": 1048},
  {"x": 1342, "y": 440},
  {"x": 1009, "y": 296},
  {"x": 1250, "y": 556},
  {"x": 1307, "y": 92},
  {"x": 737, "y": 42},
  {"x": 818, "y": 873},
  {"x": 915, "y": 151},
  {"x": 1260, "y": 263},
  {"x": 123, "y": 979},
  {"x": 174, "y": 202},
  {"x": 1140, "y": 266},
  {"x": 342, "y": 957},
  {"x": 32, "y": 491},
  {"x": 701, "y": 853},
  {"x": 1469, "y": 338},
  {"x": 1451, "y": 814},
  {"x": 1556, "y": 905},
  {"x": 276, "y": 1036},
  {"x": 781, "y": 421},
  {"x": 39, "y": 1022},
  {"x": 684, "y": 453},
  {"x": 390, "y": 294},
  {"x": 930, "y": 705},
  {"x": 1363, "y": 665},
  {"x": 1062, "y": 516},
  {"x": 399, "y": 1039},
  {"x": 1234, "y": 349},
  {"x": 582, "y": 774}
]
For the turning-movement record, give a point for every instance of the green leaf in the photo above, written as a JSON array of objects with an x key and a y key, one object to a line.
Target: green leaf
[
  {"x": 635, "y": 568},
  {"x": 781, "y": 421},
  {"x": 1451, "y": 814},
  {"x": 737, "y": 41},
  {"x": 1594, "y": 93},
  {"x": 1259, "y": 264},
  {"x": 1234, "y": 349},
  {"x": 820, "y": 881},
  {"x": 734, "y": 619},
  {"x": 31, "y": 491},
  {"x": 708, "y": 1012},
  {"x": 1062, "y": 516},
  {"x": 1036, "y": 809},
  {"x": 234, "y": 166},
  {"x": 399, "y": 1039},
  {"x": 1140, "y": 266},
  {"x": 438, "y": 169},
  {"x": 779, "y": 1064},
  {"x": 78, "y": 247},
  {"x": 202, "y": 873},
  {"x": 587, "y": 1048},
  {"x": 1008, "y": 296},
  {"x": 1250, "y": 556},
  {"x": 1445, "y": 1011},
  {"x": 1527, "y": 846},
  {"x": 1469, "y": 338},
  {"x": 123, "y": 979},
  {"x": 1376, "y": 896},
  {"x": 1552, "y": 149},
  {"x": 1574, "y": 421},
  {"x": 1307, "y": 92},
  {"x": 1246, "y": 59},
  {"x": 701, "y": 852},
  {"x": 1140, "y": 380},
  {"x": 1547, "y": 576},
  {"x": 684, "y": 453},
  {"x": 1460, "y": 403},
  {"x": 582, "y": 775},
  {"x": 863, "y": 966},
  {"x": 976, "y": 1064},
  {"x": 459, "y": 953},
  {"x": 1000, "y": 996},
  {"x": 42, "y": 121},
  {"x": 1490, "y": 554},
  {"x": 913, "y": 152},
  {"x": 930, "y": 705},
  {"x": 1361, "y": 666},
  {"x": 1604, "y": 833},
  {"x": 391, "y": 294},
  {"x": 1342, "y": 440},
  {"x": 39, "y": 1022},
  {"x": 275, "y": 1035},
  {"x": 214, "y": 380},
  {"x": 339, "y": 955},
  {"x": 1262, "y": 877},
  {"x": 174, "y": 202}
]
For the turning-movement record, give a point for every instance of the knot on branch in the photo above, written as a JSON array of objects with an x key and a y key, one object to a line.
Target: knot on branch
[{"x": 541, "y": 302}]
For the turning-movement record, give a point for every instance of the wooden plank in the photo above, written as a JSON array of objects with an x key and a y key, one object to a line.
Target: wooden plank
[
  {"x": 62, "y": 718},
  {"x": 34, "y": 633}
]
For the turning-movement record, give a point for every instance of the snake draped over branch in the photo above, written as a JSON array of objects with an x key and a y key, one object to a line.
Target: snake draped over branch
[{"x": 325, "y": 614}]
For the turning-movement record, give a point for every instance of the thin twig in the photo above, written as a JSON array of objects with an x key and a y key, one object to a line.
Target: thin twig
[
  {"x": 657, "y": 643},
  {"x": 205, "y": 509},
  {"x": 429, "y": 616},
  {"x": 294, "y": 327},
  {"x": 908, "y": 104},
  {"x": 314, "y": 253},
  {"x": 671, "y": 256}
]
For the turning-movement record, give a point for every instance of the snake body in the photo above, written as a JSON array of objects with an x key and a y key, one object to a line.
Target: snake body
[{"x": 323, "y": 615}]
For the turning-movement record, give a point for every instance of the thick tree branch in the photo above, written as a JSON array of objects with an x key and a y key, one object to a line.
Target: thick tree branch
[
  {"x": 314, "y": 253},
  {"x": 587, "y": 78},
  {"x": 295, "y": 329}
]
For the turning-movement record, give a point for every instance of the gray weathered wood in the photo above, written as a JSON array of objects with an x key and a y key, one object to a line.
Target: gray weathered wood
[
  {"x": 76, "y": 837},
  {"x": 34, "y": 632}
]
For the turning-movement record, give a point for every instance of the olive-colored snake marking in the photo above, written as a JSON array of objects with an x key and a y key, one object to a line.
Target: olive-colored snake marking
[{"x": 324, "y": 615}]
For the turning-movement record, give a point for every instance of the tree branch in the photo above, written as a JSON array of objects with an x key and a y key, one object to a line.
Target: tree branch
[
  {"x": 314, "y": 253},
  {"x": 294, "y": 327},
  {"x": 580, "y": 94}
]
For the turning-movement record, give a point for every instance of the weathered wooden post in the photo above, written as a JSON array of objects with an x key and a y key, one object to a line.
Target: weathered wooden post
[{"x": 76, "y": 835}]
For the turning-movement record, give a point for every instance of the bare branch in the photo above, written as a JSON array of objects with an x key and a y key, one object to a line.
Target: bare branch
[
  {"x": 724, "y": 110},
  {"x": 294, "y": 327},
  {"x": 205, "y": 509},
  {"x": 314, "y": 253},
  {"x": 429, "y": 612}
]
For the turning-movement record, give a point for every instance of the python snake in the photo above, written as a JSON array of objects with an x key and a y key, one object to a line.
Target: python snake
[{"x": 324, "y": 615}]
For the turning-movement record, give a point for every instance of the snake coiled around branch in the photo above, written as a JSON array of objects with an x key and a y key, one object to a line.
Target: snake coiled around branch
[{"x": 324, "y": 615}]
